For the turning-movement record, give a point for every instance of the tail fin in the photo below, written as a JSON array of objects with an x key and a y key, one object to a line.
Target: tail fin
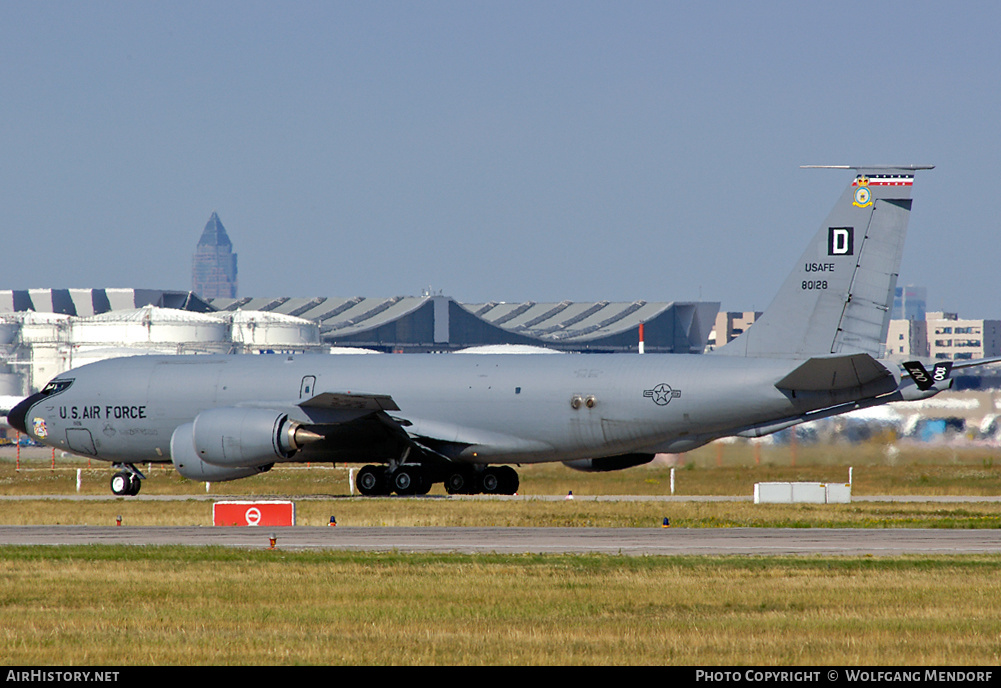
[{"x": 838, "y": 297}]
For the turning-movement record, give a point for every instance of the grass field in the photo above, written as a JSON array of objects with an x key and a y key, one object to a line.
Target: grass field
[{"x": 175, "y": 605}]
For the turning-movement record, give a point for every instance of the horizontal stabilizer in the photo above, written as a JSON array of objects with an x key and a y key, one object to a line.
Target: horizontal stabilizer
[
  {"x": 351, "y": 400},
  {"x": 940, "y": 373},
  {"x": 829, "y": 373}
]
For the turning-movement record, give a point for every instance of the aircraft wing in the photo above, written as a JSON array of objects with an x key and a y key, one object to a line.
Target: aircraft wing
[
  {"x": 365, "y": 425},
  {"x": 360, "y": 420},
  {"x": 351, "y": 401},
  {"x": 828, "y": 373}
]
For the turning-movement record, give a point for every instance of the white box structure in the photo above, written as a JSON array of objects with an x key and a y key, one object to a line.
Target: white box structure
[
  {"x": 839, "y": 493},
  {"x": 802, "y": 493}
]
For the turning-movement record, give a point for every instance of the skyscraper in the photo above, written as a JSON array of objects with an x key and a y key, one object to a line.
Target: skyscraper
[
  {"x": 213, "y": 268},
  {"x": 909, "y": 303}
]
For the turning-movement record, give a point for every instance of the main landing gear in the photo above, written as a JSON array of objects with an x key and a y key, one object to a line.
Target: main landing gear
[
  {"x": 127, "y": 482},
  {"x": 416, "y": 479},
  {"x": 405, "y": 480}
]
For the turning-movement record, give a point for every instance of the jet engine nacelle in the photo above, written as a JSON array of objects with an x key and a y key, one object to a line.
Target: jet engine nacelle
[
  {"x": 246, "y": 437},
  {"x": 189, "y": 464},
  {"x": 609, "y": 463}
]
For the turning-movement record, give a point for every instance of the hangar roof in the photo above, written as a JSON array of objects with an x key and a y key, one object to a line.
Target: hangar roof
[
  {"x": 431, "y": 320},
  {"x": 84, "y": 302},
  {"x": 568, "y": 319},
  {"x": 334, "y": 315}
]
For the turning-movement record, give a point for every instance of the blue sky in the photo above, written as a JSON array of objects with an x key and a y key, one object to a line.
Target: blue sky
[{"x": 491, "y": 150}]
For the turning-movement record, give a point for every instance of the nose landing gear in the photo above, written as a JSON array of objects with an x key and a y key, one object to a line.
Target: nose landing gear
[{"x": 128, "y": 480}]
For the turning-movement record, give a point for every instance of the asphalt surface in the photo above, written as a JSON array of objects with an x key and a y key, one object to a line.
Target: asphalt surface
[{"x": 625, "y": 541}]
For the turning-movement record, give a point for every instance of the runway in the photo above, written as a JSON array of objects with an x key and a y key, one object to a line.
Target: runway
[{"x": 615, "y": 541}]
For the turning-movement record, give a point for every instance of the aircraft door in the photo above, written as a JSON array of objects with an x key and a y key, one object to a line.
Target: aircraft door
[
  {"x": 81, "y": 441},
  {"x": 306, "y": 388}
]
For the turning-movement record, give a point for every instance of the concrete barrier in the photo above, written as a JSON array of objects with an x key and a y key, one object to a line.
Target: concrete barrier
[{"x": 802, "y": 493}]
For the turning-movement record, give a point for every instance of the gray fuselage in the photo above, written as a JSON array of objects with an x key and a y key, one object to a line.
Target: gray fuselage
[{"x": 498, "y": 408}]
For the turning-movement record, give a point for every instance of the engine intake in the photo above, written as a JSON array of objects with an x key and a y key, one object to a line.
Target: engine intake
[{"x": 188, "y": 463}]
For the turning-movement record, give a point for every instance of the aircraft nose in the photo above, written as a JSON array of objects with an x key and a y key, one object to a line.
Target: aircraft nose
[{"x": 19, "y": 413}]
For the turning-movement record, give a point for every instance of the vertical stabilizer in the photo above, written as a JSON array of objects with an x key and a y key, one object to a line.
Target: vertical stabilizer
[{"x": 838, "y": 297}]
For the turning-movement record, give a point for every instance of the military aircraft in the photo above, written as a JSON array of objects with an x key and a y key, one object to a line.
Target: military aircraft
[{"x": 463, "y": 419}]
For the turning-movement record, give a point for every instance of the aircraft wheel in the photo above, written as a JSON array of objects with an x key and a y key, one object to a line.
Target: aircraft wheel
[
  {"x": 406, "y": 480},
  {"x": 425, "y": 485},
  {"x": 490, "y": 481},
  {"x": 371, "y": 480},
  {"x": 135, "y": 484},
  {"x": 121, "y": 483},
  {"x": 509, "y": 480},
  {"x": 459, "y": 482}
]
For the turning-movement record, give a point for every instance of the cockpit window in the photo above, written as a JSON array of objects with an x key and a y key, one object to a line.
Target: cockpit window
[{"x": 55, "y": 387}]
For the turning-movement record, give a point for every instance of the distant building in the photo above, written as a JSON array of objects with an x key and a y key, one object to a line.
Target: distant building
[
  {"x": 907, "y": 339},
  {"x": 944, "y": 337},
  {"x": 909, "y": 303},
  {"x": 36, "y": 345},
  {"x": 213, "y": 268},
  {"x": 953, "y": 338},
  {"x": 410, "y": 324},
  {"x": 729, "y": 326}
]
